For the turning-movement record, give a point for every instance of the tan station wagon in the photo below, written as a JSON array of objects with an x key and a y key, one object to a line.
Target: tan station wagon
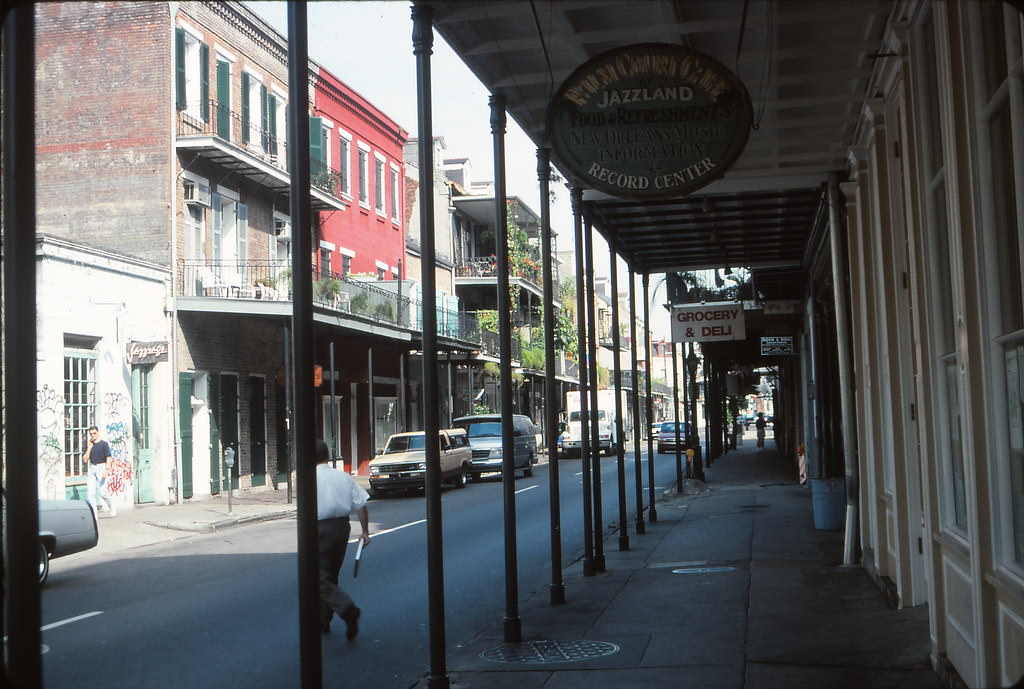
[{"x": 402, "y": 463}]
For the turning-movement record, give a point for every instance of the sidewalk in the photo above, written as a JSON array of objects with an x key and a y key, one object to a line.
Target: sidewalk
[
  {"x": 732, "y": 587},
  {"x": 144, "y": 524}
]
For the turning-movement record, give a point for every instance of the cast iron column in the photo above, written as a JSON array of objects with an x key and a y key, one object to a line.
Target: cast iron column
[
  {"x": 23, "y": 617},
  {"x": 551, "y": 405},
  {"x": 513, "y": 628},
  {"x": 589, "y": 566},
  {"x": 653, "y": 514},
  {"x": 423, "y": 42},
  {"x": 302, "y": 350},
  {"x": 620, "y": 444},
  {"x": 595, "y": 450},
  {"x": 676, "y": 420},
  {"x": 638, "y": 477}
]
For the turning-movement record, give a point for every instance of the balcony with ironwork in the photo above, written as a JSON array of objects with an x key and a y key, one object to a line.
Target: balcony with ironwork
[
  {"x": 239, "y": 144},
  {"x": 265, "y": 288}
]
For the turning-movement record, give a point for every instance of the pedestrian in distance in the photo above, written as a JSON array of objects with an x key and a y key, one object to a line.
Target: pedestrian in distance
[
  {"x": 98, "y": 460},
  {"x": 337, "y": 497},
  {"x": 760, "y": 425}
]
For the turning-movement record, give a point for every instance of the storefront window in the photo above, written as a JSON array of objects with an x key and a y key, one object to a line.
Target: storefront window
[{"x": 1015, "y": 400}]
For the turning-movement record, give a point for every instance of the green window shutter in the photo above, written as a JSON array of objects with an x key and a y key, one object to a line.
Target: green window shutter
[
  {"x": 316, "y": 147},
  {"x": 263, "y": 117},
  {"x": 224, "y": 100},
  {"x": 179, "y": 69},
  {"x": 245, "y": 108},
  {"x": 272, "y": 123},
  {"x": 185, "y": 432},
  {"x": 204, "y": 81}
]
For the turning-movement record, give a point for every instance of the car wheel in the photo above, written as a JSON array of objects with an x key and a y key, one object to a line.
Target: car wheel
[
  {"x": 661, "y": 449},
  {"x": 460, "y": 480},
  {"x": 44, "y": 563}
]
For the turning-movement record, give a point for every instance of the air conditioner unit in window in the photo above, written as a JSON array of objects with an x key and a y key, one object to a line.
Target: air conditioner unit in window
[
  {"x": 197, "y": 193},
  {"x": 282, "y": 229}
]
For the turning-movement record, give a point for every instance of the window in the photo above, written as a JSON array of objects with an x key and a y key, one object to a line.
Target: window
[
  {"x": 345, "y": 161},
  {"x": 395, "y": 212},
  {"x": 230, "y": 229},
  {"x": 364, "y": 171},
  {"x": 277, "y": 127},
  {"x": 999, "y": 112},
  {"x": 191, "y": 72},
  {"x": 325, "y": 262},
  {"x": 194, "y": 217},
  {"x": 942, "y": 288},
  {"x": 378, "y": 184},
  {"x": 346, "y": 265},
  {"x": 79, "y": 405}
]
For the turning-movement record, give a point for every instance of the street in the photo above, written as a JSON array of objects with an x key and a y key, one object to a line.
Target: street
[{"x": 220, "y": 609}]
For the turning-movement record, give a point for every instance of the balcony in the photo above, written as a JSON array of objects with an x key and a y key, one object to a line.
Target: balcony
[
  {"x": 226, "y": 139},
  {"x": 487, "y": 267},
  {"x": 260, "y": 286}
]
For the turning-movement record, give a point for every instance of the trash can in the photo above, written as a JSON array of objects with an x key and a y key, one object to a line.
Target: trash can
[{"x": 829, "y": 499}]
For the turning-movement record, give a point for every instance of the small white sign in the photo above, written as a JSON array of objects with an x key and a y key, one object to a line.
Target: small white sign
[
  {"x": 708, "y": 322},
  {"x": 777, "y": 346}
]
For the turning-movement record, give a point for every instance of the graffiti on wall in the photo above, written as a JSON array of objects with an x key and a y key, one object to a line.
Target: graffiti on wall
[
  {"x": 50, "y": 415},
  {"x": 117, "y": 408}
]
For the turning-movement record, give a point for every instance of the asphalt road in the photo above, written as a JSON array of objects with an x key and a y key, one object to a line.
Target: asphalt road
[{"x": 219, "y": 610}]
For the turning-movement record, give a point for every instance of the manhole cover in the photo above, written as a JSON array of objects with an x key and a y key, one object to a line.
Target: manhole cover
[
  {"x": 541, "y": 652},
  {"x": 703, "y": 570}
]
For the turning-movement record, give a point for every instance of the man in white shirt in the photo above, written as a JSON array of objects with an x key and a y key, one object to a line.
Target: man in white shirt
[{"x": 337, "y": 496}]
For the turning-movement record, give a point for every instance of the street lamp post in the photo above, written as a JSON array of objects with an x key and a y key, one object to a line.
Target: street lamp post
[{"x": 692, "y": 434}]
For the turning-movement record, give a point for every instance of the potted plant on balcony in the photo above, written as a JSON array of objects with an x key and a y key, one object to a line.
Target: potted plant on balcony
[
  {"x": 328, "y": 289},
  {"x": 266, "y": 287}
]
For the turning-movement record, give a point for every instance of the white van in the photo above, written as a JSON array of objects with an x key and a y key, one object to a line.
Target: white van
[{"x": 484, "y": 431}]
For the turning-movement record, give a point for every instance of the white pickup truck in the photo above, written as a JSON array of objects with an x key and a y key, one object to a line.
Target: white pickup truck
[{"x": 402, "y": 463}]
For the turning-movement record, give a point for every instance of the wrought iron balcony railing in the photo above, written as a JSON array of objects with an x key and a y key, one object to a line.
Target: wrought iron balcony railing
[
  {"x": 487, "y": 267},
  {"x": 382, "y": 301},
  {"x": 247, "y": 134}
]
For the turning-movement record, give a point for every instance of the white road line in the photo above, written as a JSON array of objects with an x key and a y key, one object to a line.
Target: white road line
[
  {"x": 385, "y": 532},
  {"x": 523, "y": 490},
  {"x": 70, "y": 620}
]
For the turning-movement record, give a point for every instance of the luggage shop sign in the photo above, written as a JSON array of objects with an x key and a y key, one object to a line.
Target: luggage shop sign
[
  {"x": 651, "y": 120},
  {"x": 708, "y": 322}
]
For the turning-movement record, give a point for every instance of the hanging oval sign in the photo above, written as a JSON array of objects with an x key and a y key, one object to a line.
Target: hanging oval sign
[{"x": 650, "y": 120}]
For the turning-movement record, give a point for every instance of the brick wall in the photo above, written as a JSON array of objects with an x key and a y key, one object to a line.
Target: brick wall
[{"x": 103, "y": 125}]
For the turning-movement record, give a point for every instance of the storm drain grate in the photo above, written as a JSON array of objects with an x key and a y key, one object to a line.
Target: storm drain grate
[
  {"x": 703, "y": 570},
  {"x": 543, "y": 652}
]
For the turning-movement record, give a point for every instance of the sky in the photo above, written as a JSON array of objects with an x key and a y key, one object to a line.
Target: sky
[{"x": 368, "y": 45}]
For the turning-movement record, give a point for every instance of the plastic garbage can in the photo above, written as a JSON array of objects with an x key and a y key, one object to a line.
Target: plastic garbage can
[{"x": 829, "y": 499}]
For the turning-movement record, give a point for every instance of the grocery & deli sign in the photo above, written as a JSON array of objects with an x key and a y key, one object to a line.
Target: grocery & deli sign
[
  {"x": 650, "y": 120},
  {"x": 708, "y": 322}
]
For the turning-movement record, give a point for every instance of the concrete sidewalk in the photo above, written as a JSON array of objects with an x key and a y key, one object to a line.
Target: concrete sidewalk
[{"x": 731, "y": 587}]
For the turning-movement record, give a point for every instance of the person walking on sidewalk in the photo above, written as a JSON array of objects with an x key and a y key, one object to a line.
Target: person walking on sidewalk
[
  {"x": 97, "y": 457},
  {"x": 760, "y": 425},
  {"x": 337, "y": 496}
]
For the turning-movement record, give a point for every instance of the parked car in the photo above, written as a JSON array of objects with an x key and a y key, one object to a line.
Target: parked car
[
  {"x": 402, "y": 463},
  {"x": 484, "y": 432},
  {"x": 65, "y": 527},
  {"x": 667, "y": 436},
  {"x": 747, "y": 420}
]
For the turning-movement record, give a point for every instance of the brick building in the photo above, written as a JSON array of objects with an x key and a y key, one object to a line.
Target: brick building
[{"x": 162, "y": 142}]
